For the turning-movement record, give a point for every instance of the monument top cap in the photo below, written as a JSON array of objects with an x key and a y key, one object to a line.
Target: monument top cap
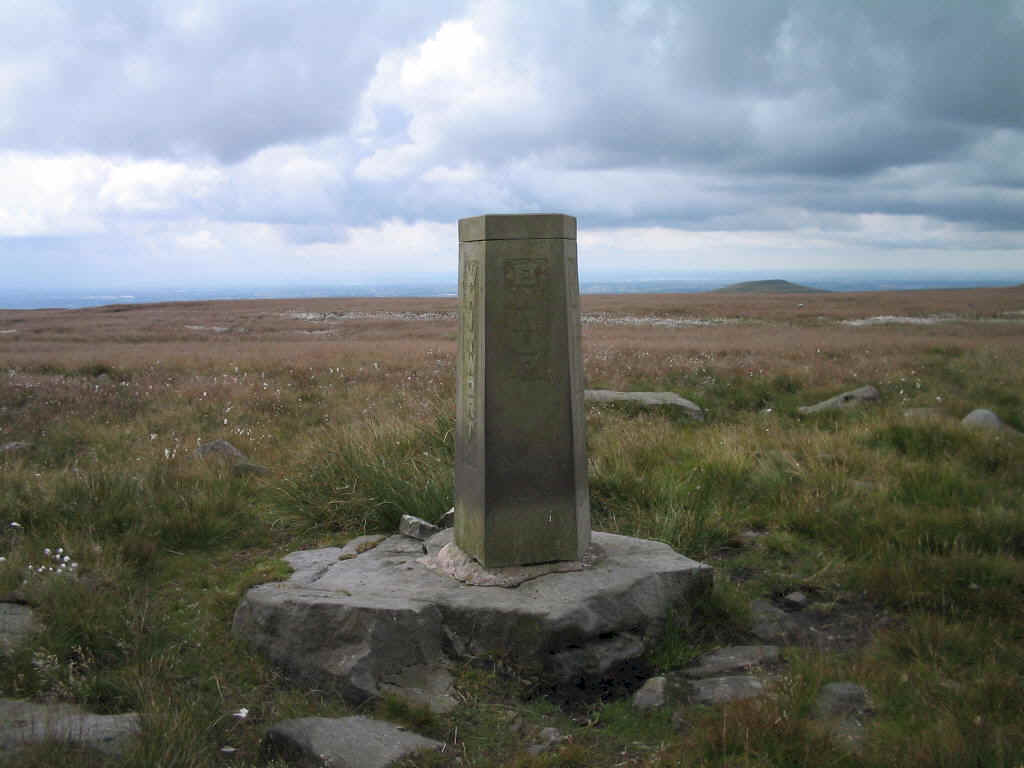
[{"x": 522, "y": 226}]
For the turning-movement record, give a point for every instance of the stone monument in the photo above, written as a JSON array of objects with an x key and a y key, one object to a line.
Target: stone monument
[{"x": 521, "y": 493}]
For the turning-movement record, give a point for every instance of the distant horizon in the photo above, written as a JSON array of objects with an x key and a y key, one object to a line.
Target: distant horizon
[{"x": 441, "y": 285}]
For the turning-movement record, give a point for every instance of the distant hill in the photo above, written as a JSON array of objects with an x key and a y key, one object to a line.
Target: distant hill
[{"x": 768, "y": 286}]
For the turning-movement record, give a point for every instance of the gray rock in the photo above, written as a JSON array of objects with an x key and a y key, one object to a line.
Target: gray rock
[
  {"x": 23, "y": 723},
  {"x": 362, "y": 624},
  {"x": 771, "y": 624},
  {"x": 849, "y": 399},
  {"x": 447, "y": 519},
  {"x": 17, "y": 623},
  {"x": 548, "y": 739},
  {"x": 451, "y": 561},
  {"x": 14, "y": 446},
  {"x": 651, "y": 695},
  {"x": 248, "y": 468},
  {"x": 980, "y": 418},
  {"x": 841, "y": 699},
  {"x": 795, "y": 600},
  {"x": 749, "y": 538},
  {"x": 734, "y": 658},
  {"x": 719, "y": 690},
  {"x": 346, "y": 742},
  {"x": 221, "y": 449},
  {"x": 691, "y": 409},
  {"x": 416, "y": 527}
]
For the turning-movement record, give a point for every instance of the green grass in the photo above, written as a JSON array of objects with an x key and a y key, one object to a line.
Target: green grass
[{"x": 867, "y": 512}]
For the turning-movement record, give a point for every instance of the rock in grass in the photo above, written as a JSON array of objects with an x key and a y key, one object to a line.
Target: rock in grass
[
  {"x": 14, "y": 446},
  {"x": 719, "y": 690},
  {"x": 689, "y": 407},
  {"x": 732, "y": 659},
  {"x": 416, "y": 527},
  {"x": 221, "y": 449},
  {"x": 243, "y": 468},
  {"x": 651, "y": 695},
  {"x": 345, "y": 741},
  {"x": 849, "y": 399},
  {"x": 548, "y": 739},
  {"x": 17, "y": 622},
  {"x": 23, "y": 723},
  {"x": 982, "y": 418},
  {"x": 844, "y": 709},
  {"x": 795, "y": 600},
  {"x": 772, "y": 624}
]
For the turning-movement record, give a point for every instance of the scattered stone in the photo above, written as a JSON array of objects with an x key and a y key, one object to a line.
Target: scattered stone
[
  {"x": 795, "y": 600},
  {"x": 732, "y": 659},
  {"x": 772, "y": 624},
  {"x": 849, "y": 399},
  {"x": 222, "y": 449},
  {"x": 17, "y": 623},
  {"x": 363, "y": 624},
  {"x": 549, "y": 738},
  {"x": 14, "y": 446},
  {"x": 416, "y": 528},
  {"x": 981, "y": 418},
  {"x": 360, "y": 544},
  {"x": 346, "y": 741},
  {"x": 23, "y": 723},
  {"x": 749, "y": 538},
  {"x": 844, "y": 708},
  {"x": 447, "y": 519},
  {"x": 691, "y": 409},
  {"x": 719, "y": 690},
  {"x": 651, "y": 695},
  {"x": 248, "y": 468}
]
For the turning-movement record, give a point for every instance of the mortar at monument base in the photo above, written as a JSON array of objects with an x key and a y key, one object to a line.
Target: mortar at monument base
[{"x": 385, "y": 621}]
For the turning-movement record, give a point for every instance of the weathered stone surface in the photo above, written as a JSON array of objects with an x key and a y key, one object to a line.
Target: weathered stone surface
[
  {"x": 17, "y": 622},
  {"x": 849, "y": 399},
  {"x": 795, "y": 600},
  {"x": 360, "y": 544},
  {"x": 447, "y": 519},
  {"x": 243, "y": 468},
  {"x": 345, "y": 742},
  {"x": 23, "y": 723},
  {"x": 771, "y": 624},
  {"x": 547, "y": 739},
  {"x": 692, "y": 410},
  {"x": 719, "y": 690},
  {"x": 981, "y": 418},
  {"x": 222, "y": 449},
  {"x": 520, "y": 464},
  {"x": 365, "y": 623},
  {"x": 417, "y": 527},
  {"x": 651, "y": 695},
  {"x": 732, "y": 659},
  {"x": 451, "y": 561}
]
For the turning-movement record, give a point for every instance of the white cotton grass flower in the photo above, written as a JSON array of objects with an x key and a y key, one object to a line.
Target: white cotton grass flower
[{"x": 241, "y": 714}]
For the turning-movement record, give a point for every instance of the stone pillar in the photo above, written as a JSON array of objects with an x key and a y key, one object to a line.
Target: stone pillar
[{"x": 521, "y": 493}]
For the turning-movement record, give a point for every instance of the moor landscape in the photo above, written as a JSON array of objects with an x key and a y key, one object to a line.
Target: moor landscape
[{"x": 888, "y": 536}]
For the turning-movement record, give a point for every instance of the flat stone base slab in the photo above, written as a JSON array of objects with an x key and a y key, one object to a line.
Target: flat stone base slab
[{"x": 383, "y": 621}]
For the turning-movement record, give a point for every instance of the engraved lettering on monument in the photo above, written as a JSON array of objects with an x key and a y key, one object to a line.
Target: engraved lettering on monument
[
  {"x": 528, "y": 321},
  {"x": 469, "y": 321}
]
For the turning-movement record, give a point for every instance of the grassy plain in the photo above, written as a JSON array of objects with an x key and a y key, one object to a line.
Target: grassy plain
[{"x": 908, "y": 535}]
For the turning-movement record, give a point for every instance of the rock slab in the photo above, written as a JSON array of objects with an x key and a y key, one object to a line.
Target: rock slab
[
  {"x": 23, "y": 723},
  {"x": 854, "y": 397},
  {"x": 650, "y": 399},
  {"x": 345, "y": 742},
  {"x": 383, "y": 621},
  {"x": 733, "y": 659}
]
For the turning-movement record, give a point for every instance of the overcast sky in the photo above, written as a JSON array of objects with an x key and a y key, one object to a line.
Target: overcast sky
[{"x": 230, "y": 143}]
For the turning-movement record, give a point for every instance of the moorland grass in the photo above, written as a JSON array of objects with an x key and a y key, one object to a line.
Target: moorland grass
[{"x": 911, "y": 529}]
